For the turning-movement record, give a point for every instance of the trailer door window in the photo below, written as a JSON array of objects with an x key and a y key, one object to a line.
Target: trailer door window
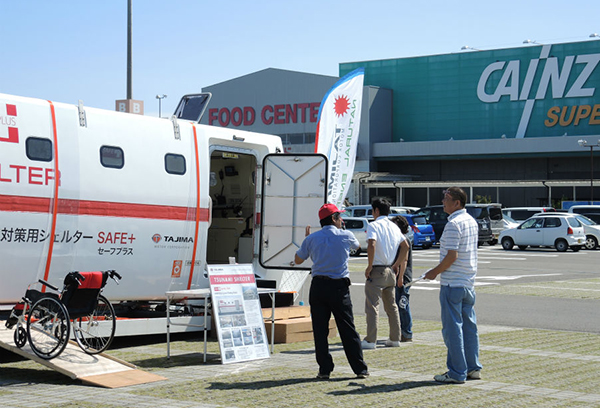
[
  {"x": 175, "y": 164},
  {"x": 112, "y": 157},
  {"x": 38, "y": 149}
]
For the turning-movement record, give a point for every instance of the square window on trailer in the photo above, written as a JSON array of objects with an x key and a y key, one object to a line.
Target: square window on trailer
[{"x": 233, "y": 194}]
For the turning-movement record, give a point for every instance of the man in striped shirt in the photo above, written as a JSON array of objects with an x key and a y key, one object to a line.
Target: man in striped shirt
[{"x": 457, "y": 270}]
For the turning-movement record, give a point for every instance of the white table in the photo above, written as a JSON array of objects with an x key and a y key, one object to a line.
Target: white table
[{"x": 205, "y": 294}]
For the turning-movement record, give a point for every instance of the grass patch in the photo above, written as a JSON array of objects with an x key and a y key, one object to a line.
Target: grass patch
[
  {"x": 545, "y": 340},
  {"x": 282, "y": 387}
]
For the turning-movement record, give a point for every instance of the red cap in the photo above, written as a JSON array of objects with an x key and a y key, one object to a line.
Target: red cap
[{"x": 328, "y": 209}]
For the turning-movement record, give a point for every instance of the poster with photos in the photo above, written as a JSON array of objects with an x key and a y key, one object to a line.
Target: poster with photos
[{"x": 237, "y": 313}]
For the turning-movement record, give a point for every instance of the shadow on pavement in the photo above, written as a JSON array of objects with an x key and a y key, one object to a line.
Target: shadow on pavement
[{"x": 379, "y": 388}]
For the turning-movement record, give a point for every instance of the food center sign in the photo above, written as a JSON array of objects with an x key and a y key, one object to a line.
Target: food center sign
[{"x": 533, "y": 91}]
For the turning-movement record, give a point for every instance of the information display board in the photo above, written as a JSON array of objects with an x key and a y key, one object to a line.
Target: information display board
[{"x": 237, "y": 313}]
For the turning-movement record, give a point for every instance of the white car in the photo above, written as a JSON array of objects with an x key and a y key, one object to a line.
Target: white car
[
  {"x": 358, "y": 226},
  {"x": 559, "y": 230},
  {"x": 367, "y": 211},
  {"x": 591, "y": 230}
]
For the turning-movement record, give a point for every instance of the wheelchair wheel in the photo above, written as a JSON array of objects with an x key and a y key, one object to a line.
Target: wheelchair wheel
[
  {"x": 95, "y": 332},
  {"x": 48, "y": 328},
  {"x": 20, "y": 337}
]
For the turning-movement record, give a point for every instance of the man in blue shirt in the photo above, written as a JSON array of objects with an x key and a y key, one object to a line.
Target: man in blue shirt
[
  {"x": 329, "y": 250},
  {"x": 457, "y": 270}
]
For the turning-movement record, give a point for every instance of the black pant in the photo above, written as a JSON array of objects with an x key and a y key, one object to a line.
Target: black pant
[{"x": 329, "y": 296}]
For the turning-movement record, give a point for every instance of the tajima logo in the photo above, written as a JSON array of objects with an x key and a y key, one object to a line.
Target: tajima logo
[
  {"x": 341, "y": 105},
  {"x": 10, "y": 121},
  {"x": 510, "y": 85},
  {"x": 168, "y": 238}
]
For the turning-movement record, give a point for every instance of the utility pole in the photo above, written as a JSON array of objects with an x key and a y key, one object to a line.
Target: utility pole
[
  {"x": 129, "y": 105},
  {"x": 129, "y": 84}
]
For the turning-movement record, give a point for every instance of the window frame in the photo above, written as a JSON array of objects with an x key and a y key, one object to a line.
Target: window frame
[
  {"x": 31, "y": 139},
  {"x": 175, "y": 173},
  {"x": 111, "y": 166}
]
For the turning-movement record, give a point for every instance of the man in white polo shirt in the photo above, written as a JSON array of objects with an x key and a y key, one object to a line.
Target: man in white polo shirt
[
  {"x": 384, "y": 269},
  {"x": 457, "y": 270}
]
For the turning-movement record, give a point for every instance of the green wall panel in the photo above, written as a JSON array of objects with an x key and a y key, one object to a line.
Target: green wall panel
[{"x": 436, "y": 97}]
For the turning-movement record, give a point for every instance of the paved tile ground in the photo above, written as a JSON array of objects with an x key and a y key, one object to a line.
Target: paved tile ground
[{"x": 522, "y": 368}]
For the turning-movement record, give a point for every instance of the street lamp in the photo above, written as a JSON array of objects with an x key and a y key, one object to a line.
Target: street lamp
[
  {"x": 584, "y": 143},
  {"x": 531, "y": 42},
  {"x": 468, "y": 47},
  {"x": 594, "y": 35},
  {"x": 160, "y": 98}
]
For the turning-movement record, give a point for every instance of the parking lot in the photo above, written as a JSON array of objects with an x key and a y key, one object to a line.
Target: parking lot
[{"x": 536, "y": 288}]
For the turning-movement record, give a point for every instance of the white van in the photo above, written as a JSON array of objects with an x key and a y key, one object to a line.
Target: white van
[
  {"x": 366, "y": 211},
  {"x": 590, "y": 211},
  {"x": 522, "y": 213},
  {"x": 585, "y": 209}
]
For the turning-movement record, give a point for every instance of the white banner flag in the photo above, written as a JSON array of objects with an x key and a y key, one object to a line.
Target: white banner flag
[{"x": 337, "y": 132}]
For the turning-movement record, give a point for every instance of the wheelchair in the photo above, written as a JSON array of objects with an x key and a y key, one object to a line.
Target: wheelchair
[{"x": 45, "y": 319}]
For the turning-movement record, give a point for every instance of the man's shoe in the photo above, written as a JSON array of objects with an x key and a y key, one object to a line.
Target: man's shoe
[
  {"x": 365, "y": 345},
  {"x": 390, "y": 343},
  {"x": 322, "y": 376},
  {"x": 364, "y": 374},
  {"x": 474, "y": 375},
  {"x": 405, "y": 339},
  {"x": 446, "y": 379}
]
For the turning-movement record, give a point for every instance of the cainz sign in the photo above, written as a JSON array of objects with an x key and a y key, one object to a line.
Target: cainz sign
[{"x": 567, "y": 78}]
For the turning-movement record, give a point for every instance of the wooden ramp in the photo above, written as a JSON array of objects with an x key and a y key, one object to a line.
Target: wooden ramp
[{"x": 99, "y": 369}]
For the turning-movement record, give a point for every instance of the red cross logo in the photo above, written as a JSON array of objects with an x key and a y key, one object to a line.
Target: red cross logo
[{"x": 10, "y": 119}]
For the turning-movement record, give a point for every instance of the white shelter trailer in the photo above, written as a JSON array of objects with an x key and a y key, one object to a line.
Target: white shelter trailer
[{"x": 157, "y": 200}]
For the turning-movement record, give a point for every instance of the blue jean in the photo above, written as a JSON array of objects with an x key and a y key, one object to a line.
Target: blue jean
[
  {"x": 402, "y": 300},
  {"x": 459, "y": 329}
]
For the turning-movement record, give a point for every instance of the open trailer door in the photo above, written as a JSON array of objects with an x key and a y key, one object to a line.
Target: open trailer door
[{"x": 294, "y": 188}]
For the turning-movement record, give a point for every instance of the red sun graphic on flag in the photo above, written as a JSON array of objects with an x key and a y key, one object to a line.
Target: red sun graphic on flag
[{"x": 341, "y": 105}]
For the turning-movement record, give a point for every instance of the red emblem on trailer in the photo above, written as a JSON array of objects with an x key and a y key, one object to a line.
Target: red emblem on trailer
[
  {"x": 176, "y": 271},
  {"x": 10, "y": 120}
]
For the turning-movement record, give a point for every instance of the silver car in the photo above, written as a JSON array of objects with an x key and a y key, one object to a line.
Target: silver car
[
  {"x": 591, "y": 230},
  {"x": 358, "y": 226}
]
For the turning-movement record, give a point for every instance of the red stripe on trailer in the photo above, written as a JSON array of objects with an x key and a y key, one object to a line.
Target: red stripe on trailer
[
  {"x": 197, "y": 207},
  {"x": 54, "y": 201},
  {"x": 13, "y": 203}
]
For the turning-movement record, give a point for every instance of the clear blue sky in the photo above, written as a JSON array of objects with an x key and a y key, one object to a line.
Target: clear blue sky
[{"x": 69, "y": 50}]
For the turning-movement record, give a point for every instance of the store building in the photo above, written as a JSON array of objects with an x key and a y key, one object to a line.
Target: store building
[{"x": 505, "y": 124}]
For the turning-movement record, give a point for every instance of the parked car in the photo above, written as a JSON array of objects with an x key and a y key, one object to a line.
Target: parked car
[
  {"x": 509, "y": 222},
  {"x": 591, "y": 230},
  {"x": 523, "y": 213},
  {"x": 438, "y": 219},
  {"x": 585, "y": 209},
  {"x": 358, "y": 226},
  {"x": 559, "y": 230},
  {"x": 593, "y": 216},
  {"x": 590, "y": 211},
  {"x": 410, "y": 210},
  {"x": 367, "y": 211},
  {"x": 424, "y": 236},
  {"x": 496, "y": 221}
]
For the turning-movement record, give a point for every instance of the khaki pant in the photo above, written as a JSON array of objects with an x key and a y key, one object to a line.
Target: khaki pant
[{"x": 382, "y": 286}]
